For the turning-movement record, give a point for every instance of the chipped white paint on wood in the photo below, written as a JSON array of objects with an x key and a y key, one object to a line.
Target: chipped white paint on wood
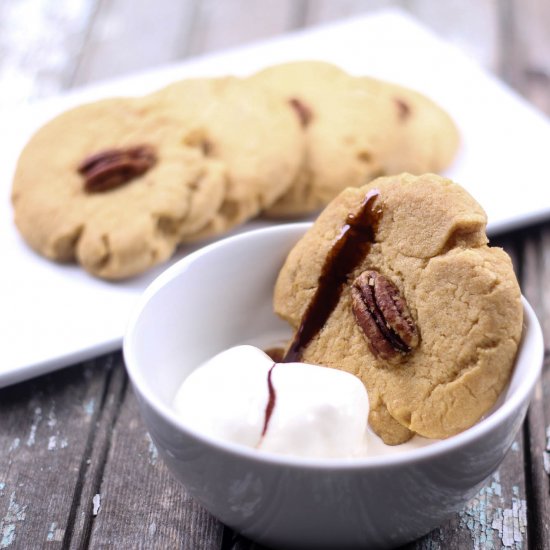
[
  {"x": 152, "y": 529},
  {"x": 494, "y": 521},
  {"x": 96, "y": 504},
  {"x": 54, "y": 533},
  {"x": 546, "y": 454},
  {"x": 89, "y": 406},
  {"x": 153, "y": 452},
  {"x": 36, "y": 420},
  {"x": 15, "y": 514}
]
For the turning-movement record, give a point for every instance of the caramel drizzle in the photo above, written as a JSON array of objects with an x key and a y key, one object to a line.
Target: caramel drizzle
[{"x": 348, "y": 250}]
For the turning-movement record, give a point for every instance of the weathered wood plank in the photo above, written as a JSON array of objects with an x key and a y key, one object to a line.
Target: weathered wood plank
[
  {"x": 470, "y": 25},
  {"x": 536, "y": 267},
  {"x": 46, "y": 436},
  {"x": 525, "y": 40},
  {"x": 85, "y": 502},
  {"x": 141, "y": 504},
  {"x": 495, "y": 518},
  {"x": 133, "y": 35},
  {"x": 233, "y": 22},
  {"x": 324, "y": 11},
  {"x": 525, "y": 43},
  {"x": 40, "y": 43}
]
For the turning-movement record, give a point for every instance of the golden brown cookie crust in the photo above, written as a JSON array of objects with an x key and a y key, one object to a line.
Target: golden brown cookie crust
[
  {"x": 124, "y": 230},
  {"x": 463, "y": 295}
]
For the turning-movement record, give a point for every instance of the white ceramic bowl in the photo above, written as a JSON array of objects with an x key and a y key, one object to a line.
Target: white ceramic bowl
[{"x": 221, "y": 296}]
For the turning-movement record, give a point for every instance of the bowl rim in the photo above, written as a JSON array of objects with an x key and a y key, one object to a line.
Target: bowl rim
[{"x": 532, "y": 334}]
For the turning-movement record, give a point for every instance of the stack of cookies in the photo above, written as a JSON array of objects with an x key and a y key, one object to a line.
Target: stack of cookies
[{"x": 119, "y": 184}]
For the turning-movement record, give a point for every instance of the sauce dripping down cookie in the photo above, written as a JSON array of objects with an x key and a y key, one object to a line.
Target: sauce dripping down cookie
[{"x": 348, "y": 250}]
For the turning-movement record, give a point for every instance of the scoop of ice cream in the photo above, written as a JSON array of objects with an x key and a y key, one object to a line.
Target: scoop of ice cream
[
  {"x": 226, "y": 397},
  {"x": 318, "y": 412},
  {"x": 297, "y": 409}
]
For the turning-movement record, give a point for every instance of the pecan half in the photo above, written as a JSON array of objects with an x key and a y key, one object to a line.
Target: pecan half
[
  {"x": 114, "y": 167},
  {"x": 384, "y": 317},
  {"x": 302, "y": 110}
]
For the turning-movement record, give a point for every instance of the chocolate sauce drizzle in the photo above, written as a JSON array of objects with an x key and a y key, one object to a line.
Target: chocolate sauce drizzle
[
  {"x": 271, "y": 400},
  {"x": 349, "y": 248}
]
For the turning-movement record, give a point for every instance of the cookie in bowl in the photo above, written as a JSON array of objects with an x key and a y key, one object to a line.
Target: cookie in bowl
[
  {"x": 389, "y": 496},
  {"x": 396, "y": 284}
]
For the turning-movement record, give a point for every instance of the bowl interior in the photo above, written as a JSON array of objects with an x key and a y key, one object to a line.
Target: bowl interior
[
  {"x": 216, "y": 298},
  {"x": 221, "y": 296}
]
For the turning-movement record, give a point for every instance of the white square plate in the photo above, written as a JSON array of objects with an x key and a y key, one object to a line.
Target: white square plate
[{"x": 52, "y": 316}]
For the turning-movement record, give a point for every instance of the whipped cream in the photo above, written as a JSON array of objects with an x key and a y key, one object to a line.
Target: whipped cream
[{"x": 241, "y": 395}]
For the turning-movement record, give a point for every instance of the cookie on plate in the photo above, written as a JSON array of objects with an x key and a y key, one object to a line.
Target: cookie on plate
[
  {"x": 110, "y": 185},
  {"x": 355, "y": 130},
  {"x": 396, "y": 284},
  {"x": 343, "y": 143},
  {"x": 428, "y": 138},
  {"x": 248, "y": 129}
]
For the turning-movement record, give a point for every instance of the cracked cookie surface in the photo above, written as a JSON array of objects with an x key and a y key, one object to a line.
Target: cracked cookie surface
[
  {"x": 136, "y": 218},
  {"x": 463, "y": 296}
]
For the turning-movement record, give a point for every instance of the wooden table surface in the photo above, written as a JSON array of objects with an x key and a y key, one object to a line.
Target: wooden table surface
[{"x": 77, "y": 468}]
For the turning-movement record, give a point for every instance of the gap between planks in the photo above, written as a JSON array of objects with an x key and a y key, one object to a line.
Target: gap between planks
[{"x": 79, "y": 524}]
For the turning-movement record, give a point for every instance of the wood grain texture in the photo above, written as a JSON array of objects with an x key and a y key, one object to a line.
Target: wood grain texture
[
  {"x": 526, "y": 66},
  {"x": 85, "y": 501},
  {"x": 133, "y": 35},
  {"x": 230, "y": 23},
  {"x": 141, "y": 504},
  {"x": 46, "y": 434},
  {"x": 470, "y": 25},
  {"x": 536, "y": 269}
]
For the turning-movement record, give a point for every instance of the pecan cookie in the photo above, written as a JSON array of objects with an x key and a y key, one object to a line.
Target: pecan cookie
[
  {"x": 395, "y": 283},
  {"x": 355, "y": 129},
  {"x": 248, "y": 129},
  {"x": 110, "y": 184}
]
